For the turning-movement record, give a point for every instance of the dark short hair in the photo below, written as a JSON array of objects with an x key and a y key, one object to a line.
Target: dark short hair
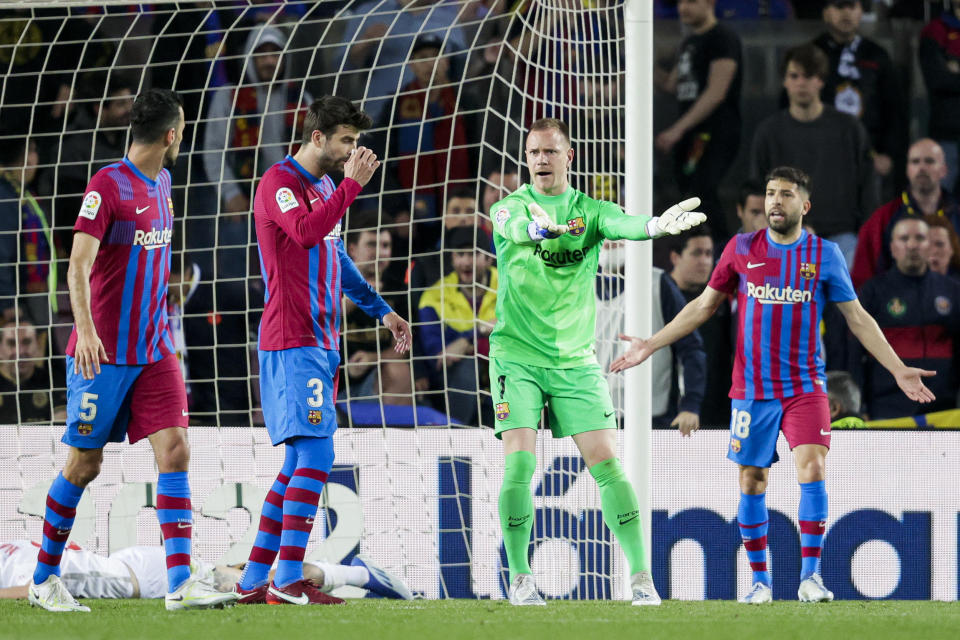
[
  {"x": 808, "y": 57},
  {"x": 155, "y": 111},
  {"x": 552, "y": 123},
  {"x": 842, "y": 389},
  {"x": 467, "y": 238},
  {"x": 791, "y": 174},
  {"x": 361, "y": 222},
  {"x": 749, "y": 188},
  {"x": 326, "y": 113},
  {"x": 461, "y": 191},
  {"x": 678, "y": 243}
]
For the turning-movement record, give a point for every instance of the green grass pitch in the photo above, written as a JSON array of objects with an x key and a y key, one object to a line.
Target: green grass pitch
[{"x": 490, "y": 620}]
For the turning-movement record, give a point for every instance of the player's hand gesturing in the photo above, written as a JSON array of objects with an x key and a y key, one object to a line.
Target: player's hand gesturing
[
  {"x": 638, "y": 351},
  {"x": 400, "y": 329},
  {"x": 910, "y": 381},
  {"x": 361, "y": 165},
  {"x": 88, "y": 354}
]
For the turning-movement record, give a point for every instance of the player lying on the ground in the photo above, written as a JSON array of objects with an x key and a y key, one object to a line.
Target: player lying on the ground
[{"x": 141, "y": 572}]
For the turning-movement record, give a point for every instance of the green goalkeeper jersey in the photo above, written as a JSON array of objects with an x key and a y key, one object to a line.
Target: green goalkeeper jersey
[{"x": 546, "y": 300}]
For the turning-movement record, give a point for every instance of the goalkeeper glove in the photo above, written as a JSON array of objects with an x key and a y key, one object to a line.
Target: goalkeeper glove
[
  {"x": 542, "y": 227},
  {"x": 676, "y": 219}
]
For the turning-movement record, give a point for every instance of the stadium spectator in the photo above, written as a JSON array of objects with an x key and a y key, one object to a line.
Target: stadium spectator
[
  {"x": 944, "y": 257},
  {"x": 28, "y": 270},
  {"x": 863, "y": 83},
  {"x": 832, "y": 147},
  {"x": 461, "y": 211},
  {"x": 373, "y": 368},
  {"x": 923, "y": 196},
  {"x": 427, "y": 137},
  {"x": 939, "y": 57},
  {"x": 96, "y": 137},
  {"x": 382, "y": 34},
  {"x": 691, "y": 257},
  {"x": 30, "y": 391},
  {"x": 252, "y": 126},
  {"x": 843, "y": 396},
  {"x": 675, "y": 402},
  {"x": 750, "y": 207},
  {"x": 919, "y": 313},
  {"x": 706, "y": 80},
  {"x": 456, "y": 318}
]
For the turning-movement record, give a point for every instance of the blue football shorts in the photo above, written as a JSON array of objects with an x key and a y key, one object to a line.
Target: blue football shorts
[{"x": 297, "y": 391}]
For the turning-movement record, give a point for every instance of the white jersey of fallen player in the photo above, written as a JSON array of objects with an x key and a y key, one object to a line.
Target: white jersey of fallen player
[{"x": 88, "y": 575}]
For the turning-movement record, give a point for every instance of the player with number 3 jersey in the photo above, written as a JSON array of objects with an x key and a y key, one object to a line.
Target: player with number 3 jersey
[
  {"x": 298, "y": 212},
  {"x": 782, "y": 277}
]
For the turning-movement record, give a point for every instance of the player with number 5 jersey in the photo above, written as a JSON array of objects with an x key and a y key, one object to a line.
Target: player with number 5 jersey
[
  {"x": 782, "y": 277},
  {"x": 123, "y": 379},
  {"x": 298, "y": 213}
]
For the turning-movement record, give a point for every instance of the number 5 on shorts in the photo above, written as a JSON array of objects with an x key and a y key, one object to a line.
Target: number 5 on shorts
[
  {"x": 88, "y": 410},
  {"x": 740, "y": 423}
]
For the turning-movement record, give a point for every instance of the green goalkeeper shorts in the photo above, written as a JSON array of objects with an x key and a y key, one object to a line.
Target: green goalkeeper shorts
[{"x": 577, "y": 399}]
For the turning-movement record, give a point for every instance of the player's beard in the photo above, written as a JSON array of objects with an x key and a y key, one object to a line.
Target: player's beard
[
  {"x": 788, "y": 224},
  {"x": 169, "y": 159}
]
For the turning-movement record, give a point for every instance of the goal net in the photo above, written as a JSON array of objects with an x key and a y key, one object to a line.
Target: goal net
[{"x": 451, "y": 88}]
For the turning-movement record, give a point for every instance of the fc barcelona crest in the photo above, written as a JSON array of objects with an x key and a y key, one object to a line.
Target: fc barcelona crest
[
  {"x": 314, "y": 416},
  {"x": 84, "y": 428},
  {"x": 503, "y": 410},
  {"x": 808, "y": 270},
  {"x": 734, "y": 445},
  {"x": 575, "y": 226}
]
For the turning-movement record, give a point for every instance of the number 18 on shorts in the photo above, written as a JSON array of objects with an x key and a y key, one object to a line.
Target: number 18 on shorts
[{"x": 755, "y": 426}]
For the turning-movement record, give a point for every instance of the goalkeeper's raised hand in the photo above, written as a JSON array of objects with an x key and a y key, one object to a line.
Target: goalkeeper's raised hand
[
  {"x": 676, "y": 219},
  {"x": 542, "y": 227}
]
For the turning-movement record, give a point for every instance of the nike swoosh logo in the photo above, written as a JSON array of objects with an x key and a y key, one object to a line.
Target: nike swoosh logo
[
  {"x": 629, "y": 519},
  {"x": 183, "y": 412},
  {"x": 139, "y": 210},
  {"x": 518, "y": 523},
  {"x": 607, "y": 415},
  {"x": 824, "y": 433},
  {"x": 754, "y": 265},
  {"x": 177, "y": 599},
  {"x": 62, "y": 532},
  {"x": 314, "y": 200},
  {"x": 301, "y": 599},
  {"x": 184, "y": 525},
  {"x": 308, "y": 521}
]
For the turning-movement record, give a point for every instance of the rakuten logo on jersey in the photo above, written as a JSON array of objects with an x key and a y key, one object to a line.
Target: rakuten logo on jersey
[
  {"x": 768, "y": 294},
  {"x": 153, "y": 239},
  {"x": 562, "y": 258}
]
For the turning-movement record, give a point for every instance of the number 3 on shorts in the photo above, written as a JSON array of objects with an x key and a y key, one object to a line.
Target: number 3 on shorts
[
  {"x": 317, "y": 399},
  {"x": 88, "y": 410},
  {"x": 740, "y": 423}
]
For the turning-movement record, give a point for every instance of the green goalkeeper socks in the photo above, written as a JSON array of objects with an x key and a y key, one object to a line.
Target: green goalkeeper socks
[
  {"x": 621, "y": 511},
  {"x": 516, "y": 510}
]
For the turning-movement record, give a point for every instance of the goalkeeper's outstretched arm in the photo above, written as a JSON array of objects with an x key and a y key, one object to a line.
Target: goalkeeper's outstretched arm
[
  {"x": 615, "y": 225},
  {"x": 694, "y": 314}
]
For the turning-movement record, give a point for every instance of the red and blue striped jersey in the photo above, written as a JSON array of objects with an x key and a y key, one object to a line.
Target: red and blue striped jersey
[
  {"x": 304, "y": 265},
  {"x": 781, "y": 291},
  {"x": 132, "y": 217}
]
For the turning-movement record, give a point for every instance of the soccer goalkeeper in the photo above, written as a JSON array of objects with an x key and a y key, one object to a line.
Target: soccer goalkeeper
[{"x": 548, "y": 238}]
